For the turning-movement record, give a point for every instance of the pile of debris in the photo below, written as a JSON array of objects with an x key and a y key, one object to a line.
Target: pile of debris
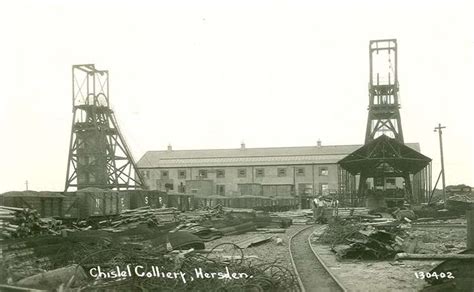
[
  {"x": 337, "y": 231},
  {"x": 293, "y": 217},
  {"x": 163, "y": 218},
  {"x": 438, "y": 211},
  {"x": 352, "y": 212},
  {"x": 381, "y": 235},
  {"x": 204, "y": 233},
  {"x": 19, "y": 222},
  {"x": 460, "y": 202},
  {"x": 357, "y": 240},
  {"x": 145, "y": 215},
  {"x": 212, "y": 223},
  {"x": 201, "y": 215},
  {"x": 184, "y": 260},
  {"x": 370, "y": 244}
]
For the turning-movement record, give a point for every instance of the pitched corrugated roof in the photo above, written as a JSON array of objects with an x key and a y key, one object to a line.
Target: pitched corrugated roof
[{"x": 249, "y": 156}]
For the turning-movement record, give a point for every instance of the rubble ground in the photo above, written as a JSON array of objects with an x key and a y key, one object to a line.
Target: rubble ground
[
  {"x": 269, "y": 251},
  {"x": 391, "y": 275}
]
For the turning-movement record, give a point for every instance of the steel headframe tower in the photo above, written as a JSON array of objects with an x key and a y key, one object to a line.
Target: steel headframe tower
[
  {"x": 98, "y": 154},
  {"x": 384, "y": 103}
]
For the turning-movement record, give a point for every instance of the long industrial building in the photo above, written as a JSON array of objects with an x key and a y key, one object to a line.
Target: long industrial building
[{"x": 274, "y": 172}]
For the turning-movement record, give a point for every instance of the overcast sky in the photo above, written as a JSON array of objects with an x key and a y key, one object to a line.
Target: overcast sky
[{"x": 210, "y": 74}]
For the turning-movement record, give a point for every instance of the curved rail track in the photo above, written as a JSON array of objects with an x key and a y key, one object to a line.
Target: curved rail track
[{"x": 312, "y": 273}]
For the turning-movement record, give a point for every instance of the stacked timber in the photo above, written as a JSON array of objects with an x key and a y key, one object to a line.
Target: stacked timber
[
  {"x": 201, "y": 215},
  {"x": 295, "y": 216},
  {"x": 19, "y": 222},
  {"x": 147, "y": 215},
  {"x": 352, "y": 211}
]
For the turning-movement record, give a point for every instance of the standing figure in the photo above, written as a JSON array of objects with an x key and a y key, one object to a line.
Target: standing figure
[{"x": 318, "y": 209}]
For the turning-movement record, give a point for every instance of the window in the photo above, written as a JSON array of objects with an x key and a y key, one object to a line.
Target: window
[
  {"x": 242, "y": 172},
  {"x": 220, "y": 190},
  {"x": 281, "y": 171},
  {"x": 220, "y": 173},
  {"x": 145, "y": 173},
  {"x": 390, "y": 181},
  {"x": 164, "y": 174},
  {"x": 323, "y": 171},
  {"x": 300, "y": 171},
  {"x": 323, "y": 188},
  {"x": 182, "y": 174},
  {"x": 202, "y": 173},
  {"x": 378, "y": 182},
  {"x": 169, "y": 187},
  {"x": 259, "y": 172}
]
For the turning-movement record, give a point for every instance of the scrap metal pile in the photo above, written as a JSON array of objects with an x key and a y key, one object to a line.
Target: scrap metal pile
[
  {"x": 363, "y": 234},
  {"x": 370, "y": 243},
  {"x": 67, "y": 255},
  {"x": 356, "y": 241},
  {"x": 383, "y": 235},
  {"x": 147, "y": 270}
]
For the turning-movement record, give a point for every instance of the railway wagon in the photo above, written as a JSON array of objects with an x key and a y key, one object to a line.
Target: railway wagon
[
  {"x": 91, "y": 202},
  {"x": 182, "y": 202},
  {"x": 211, "y": 201},
  {"x": 284, "y": 203},
  {"x": 152, "y": 198},
  {"x": 266, "y": 203},
  {"x": 262, "y": 203},
  {"x": 250, "y": 202},
  {"x": 48, "y": 204}
]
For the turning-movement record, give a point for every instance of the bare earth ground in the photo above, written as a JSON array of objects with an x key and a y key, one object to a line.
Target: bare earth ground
[
  {"x": 357, "y": 275},
  {"x": 269, "y": 251}
]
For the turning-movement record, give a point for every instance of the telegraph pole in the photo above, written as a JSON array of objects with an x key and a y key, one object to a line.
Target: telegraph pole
[{"x": 440, "y": 132}]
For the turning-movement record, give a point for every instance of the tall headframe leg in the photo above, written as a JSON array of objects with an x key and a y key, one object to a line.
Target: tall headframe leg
[
  {"x": 384, "y": 104},
  {"x": 98, "y": 154}
]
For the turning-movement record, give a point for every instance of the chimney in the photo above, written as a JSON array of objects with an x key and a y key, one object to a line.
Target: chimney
[
  {"x": 169, "y": 147},
  {"x": 242, "y": 145},
  {"x": 319, "y": 143}
]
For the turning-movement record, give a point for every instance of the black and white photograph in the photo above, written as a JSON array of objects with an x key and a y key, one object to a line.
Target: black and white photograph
[{"x": 218, "y": 145}]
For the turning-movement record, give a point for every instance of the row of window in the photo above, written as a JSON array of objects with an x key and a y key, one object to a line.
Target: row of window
[
  {"x": 220, "y": 188},
  {"x": 241, "y": 172}
]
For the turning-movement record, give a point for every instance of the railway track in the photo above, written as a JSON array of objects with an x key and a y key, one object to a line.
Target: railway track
[{"x": 311, "y": 272}]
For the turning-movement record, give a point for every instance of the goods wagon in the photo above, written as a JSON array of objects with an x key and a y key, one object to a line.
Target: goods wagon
[
  {"x": 94, "y": 202},
  {"x": 250, "y": 189},
  {"x": 263, "y": 203},
  {"x": 182, "y": 202},
  {"x": 141, "y": 198},
  {"x": 48, "y": 204},
  {"x": 284, "y": 203},
  {"x": 249, "y": 202},
  {"x": 211, "y": 201}
]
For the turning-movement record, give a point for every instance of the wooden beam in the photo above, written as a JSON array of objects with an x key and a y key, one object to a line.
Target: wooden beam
[
  {"x": 470, "y": 229},
  {"x": 416, "y": 256}
]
